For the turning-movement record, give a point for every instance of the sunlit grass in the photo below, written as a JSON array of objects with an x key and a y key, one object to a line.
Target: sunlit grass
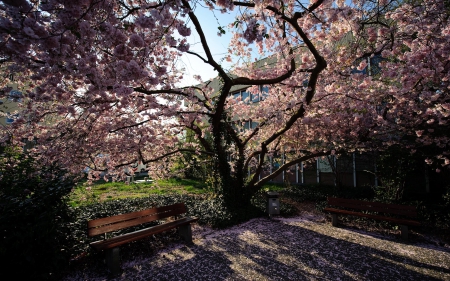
[
  {"x": 274, "y": 187},
  {"x": 103, "y": 191}
]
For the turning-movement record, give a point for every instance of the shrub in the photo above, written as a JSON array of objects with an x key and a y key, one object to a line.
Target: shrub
[
  {"x": 320, "y": 192},
  {"x": 34, "y": 216}
]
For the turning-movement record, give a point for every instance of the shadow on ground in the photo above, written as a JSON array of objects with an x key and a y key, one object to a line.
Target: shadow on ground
[{"x": 286, "y": 249}]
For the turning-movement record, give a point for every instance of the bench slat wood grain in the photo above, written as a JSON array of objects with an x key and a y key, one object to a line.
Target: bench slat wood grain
[
  {"x": 114, "y": 223},
  {"x": 139, "y": 234}
]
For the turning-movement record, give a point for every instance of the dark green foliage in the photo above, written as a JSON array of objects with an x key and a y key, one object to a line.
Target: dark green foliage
[
  {"x": 320, "y": 192},
  {"x": 192, "y": 165},
  {"x": 434, "y": 209},
  {"x": 395, "y": 166},
  {"x": 34, "y": 217},
  {"x": 404, "y": 178}
]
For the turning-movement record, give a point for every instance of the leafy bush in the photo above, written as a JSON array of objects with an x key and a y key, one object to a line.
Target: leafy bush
[
  {"x": 34, "y": 217},
  {"x": 320, "y": 192},
  {"x": 434, "y": 209}
]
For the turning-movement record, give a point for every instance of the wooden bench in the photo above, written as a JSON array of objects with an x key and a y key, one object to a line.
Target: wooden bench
[
  {"x": 401, "y": 215},
  {"x": 115, "y": 223}
]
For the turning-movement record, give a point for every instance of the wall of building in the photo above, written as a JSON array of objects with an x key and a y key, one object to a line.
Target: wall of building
[{"x": 355, "y": 170}]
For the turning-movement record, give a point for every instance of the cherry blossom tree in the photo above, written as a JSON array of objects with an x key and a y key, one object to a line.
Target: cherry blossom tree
[{"x": 103, "y": 83}]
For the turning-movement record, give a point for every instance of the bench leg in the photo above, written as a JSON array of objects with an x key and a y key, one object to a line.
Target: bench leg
[
  {"x": 334, "y": 220},
  {"x": 113, "y": 261},
  {"x": 404, "y": 231},
  {"x": 186, "y": 233}
]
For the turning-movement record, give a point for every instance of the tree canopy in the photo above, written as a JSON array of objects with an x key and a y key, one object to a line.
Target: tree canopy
[{"x": 103, "y": 83}]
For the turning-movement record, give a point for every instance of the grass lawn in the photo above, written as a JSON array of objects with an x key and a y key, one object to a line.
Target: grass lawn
[{"x": 103, "y": 191}]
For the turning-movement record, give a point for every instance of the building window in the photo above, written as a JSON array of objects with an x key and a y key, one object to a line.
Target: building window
[
  {"x": 373, "y": 65},
  {"x": 247, "y": 125},
  {"x": 247, "y": 97},
  {"x": 15, "y": 96},
  {"x": 264, "y": 92},
  {"x": 11, "y": 117},
  {"x": 254, "y": 97},
  {"x": 244, "y": 96}
]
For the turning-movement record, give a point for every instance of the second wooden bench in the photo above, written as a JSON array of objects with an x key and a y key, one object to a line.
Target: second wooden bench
[
  {"x": 401, "y": 215},
  {"x": 118, "y": 222}
]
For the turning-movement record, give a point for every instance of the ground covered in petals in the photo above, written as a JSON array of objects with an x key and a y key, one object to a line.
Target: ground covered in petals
[{"x": 305, "y": 247}]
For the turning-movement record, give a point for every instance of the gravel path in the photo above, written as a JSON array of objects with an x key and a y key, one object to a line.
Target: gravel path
[{"x": 300, "y": 248}]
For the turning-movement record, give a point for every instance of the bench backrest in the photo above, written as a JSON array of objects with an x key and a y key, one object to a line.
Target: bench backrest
[
  {"x": 395, "y": 209},
  {"x": 114, "y": 223}
]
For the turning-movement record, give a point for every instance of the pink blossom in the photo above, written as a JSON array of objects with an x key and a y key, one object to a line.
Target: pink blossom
[
  {"x": 146, "y": 22},
  {"x": 28, "y": 31},
  {"x": 89, "y": 59},
  {"x": 183, "y": 30},
  {"x": 253, "y": 32},
  {"x": 362, "y": 65},
  {"x": 153, "y": 81},
  {"x": 85, "y": 29},
  {"x": 122, "y": 91},
  {"x": 161, "y": 70},
  {"x": 227, "y": 4},
  {"x": 136, "y": 41},
  {"x": 120, "y": 50},
  {"x": 305, "y": 58},
  {"x": 183, "y": 47},
  {"x": 170, "y": 40}
]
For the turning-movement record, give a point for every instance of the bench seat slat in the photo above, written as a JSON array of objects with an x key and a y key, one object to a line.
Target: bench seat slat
[
  {"x": 123, "y": 217},
  {"x": 130, "y": 223},
  {"x": 140, "y": 234},
  {"x": 372, "y": 216}
]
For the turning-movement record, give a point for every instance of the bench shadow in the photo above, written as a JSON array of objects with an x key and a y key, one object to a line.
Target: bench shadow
[
  {"x": 264, "y": 249},
  {"x": 414, "y": 238},
  {"x": 333, "y": 258},
  {"x": 271, "y": 250},
  {"x": 185, "y": 262}
]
